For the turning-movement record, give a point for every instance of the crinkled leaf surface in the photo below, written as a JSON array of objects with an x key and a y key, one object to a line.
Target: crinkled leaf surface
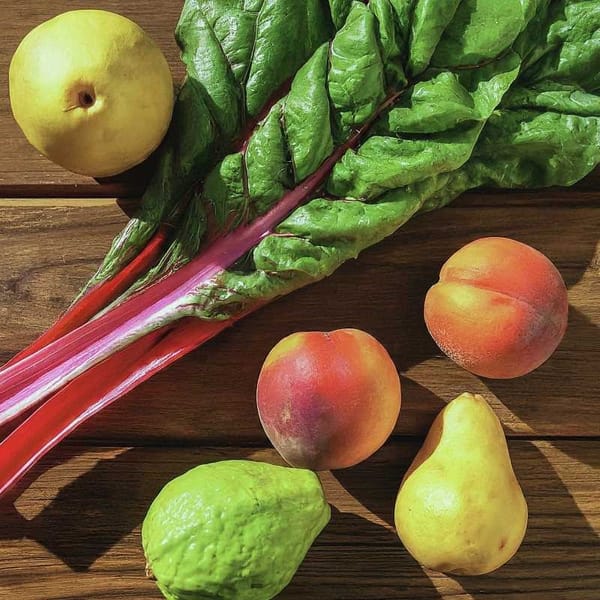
[
  {"x": 400, "y": 105},
  {"x": 237, "y": 53}
]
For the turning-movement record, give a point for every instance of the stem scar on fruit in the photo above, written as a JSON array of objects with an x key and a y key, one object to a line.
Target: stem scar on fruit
[{"x": 83, "y": 97}]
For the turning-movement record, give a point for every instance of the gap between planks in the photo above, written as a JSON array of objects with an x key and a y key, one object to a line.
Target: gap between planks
[
  {"x": 262, "y": 444},
  {"x": 61, "y": 202},
  {"x": 559, "y": 198}
]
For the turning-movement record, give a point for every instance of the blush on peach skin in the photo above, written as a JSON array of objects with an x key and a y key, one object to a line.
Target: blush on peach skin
[
  {"x": 328, "y": 400},
  {"x": 499, "y": 309}
]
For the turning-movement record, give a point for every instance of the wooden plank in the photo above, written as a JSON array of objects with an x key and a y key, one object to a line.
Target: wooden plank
[
  {"x": 48, "y": 252},
  {"x": 23, "y": 171},
  {"x": 75, "y": 532}
]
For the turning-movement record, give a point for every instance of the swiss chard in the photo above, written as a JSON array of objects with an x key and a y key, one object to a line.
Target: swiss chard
[{"x": 304, "y": 133}]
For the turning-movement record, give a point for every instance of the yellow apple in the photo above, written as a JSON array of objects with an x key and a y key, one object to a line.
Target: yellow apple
[{"x": 91, "y": 91}]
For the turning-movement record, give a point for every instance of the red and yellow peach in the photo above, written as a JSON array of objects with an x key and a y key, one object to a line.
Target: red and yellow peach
[
  {"x": 328, "y": 400},
  {"x": 499, "y": 309}
]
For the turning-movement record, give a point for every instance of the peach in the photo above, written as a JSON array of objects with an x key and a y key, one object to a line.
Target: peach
[
  {"x": 499, "y": 309},
  {"x": 328, "y": 400}
]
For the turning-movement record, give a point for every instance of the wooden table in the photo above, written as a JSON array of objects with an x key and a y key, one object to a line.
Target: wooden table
[{"x": 72, "y": 530}]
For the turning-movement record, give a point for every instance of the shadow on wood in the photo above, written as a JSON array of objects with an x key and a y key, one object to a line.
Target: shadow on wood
[
  {"x": 558, "y": 537},
  {"x": 98, "y": 507},
  {"x": 580, "y": 328},
  {"x": 355, "y": 558}
]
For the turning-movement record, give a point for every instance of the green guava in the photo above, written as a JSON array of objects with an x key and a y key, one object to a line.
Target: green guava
[{"x": 232, "y": 530}]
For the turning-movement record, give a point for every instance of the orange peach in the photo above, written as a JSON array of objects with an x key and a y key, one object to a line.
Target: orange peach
[
  {"x": 499, "y": 309},
  {"x": 328, "y": 400}
]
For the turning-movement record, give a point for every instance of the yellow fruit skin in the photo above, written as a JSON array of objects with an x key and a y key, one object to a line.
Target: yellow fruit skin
[
  {"x": 105, "y": 55},
  {"x": 460, "y": 508}
]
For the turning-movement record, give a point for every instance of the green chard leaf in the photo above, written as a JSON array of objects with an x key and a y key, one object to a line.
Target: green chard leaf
[
  {"x": 356, "y": 75},
  {"x": 228, "y": 48},
  {"x": 525, "y": 148},
  {"x": 569, "y": 48},
  {"x": 444, "y": 117},
  {"x": 307, "y": 116},
  {"x": 339, "y": 11},
  {"x": 501, "y": 94},
  {"x": 392, "y": 42},
  {"x": 482, "y": 30},
  {"x": 429, "y": 20},
  {"x": 288, "y": 32},
  {"x": 553, "y": 97}
]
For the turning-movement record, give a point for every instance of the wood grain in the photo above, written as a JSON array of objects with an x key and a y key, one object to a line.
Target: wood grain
[
  {"x": 75, "y": 532},
  {"x": 50, "y": 250}
]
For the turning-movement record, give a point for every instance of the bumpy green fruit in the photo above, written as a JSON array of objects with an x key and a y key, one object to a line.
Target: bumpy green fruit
[{"x": 232, "y": 530}]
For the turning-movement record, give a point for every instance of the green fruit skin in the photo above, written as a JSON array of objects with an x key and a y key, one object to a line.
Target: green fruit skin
[{"x": 232, "y": 530}]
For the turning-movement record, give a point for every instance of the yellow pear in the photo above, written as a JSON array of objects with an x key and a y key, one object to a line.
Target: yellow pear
[
  {"x": 460, "y": 508},
  {"x": 91, "y": 91}
]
